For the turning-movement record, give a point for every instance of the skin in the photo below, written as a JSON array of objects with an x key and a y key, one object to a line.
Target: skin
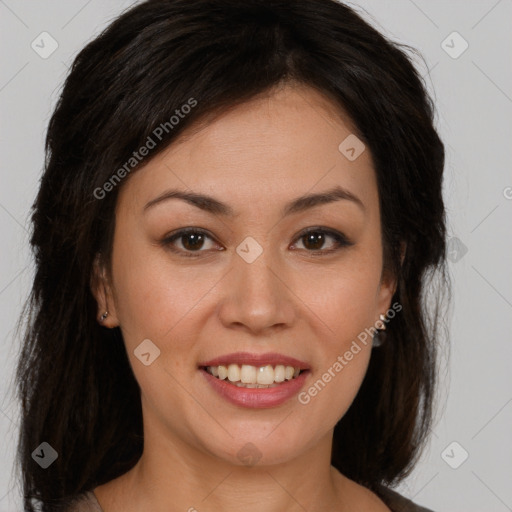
[{"x": 292, "y": 300}]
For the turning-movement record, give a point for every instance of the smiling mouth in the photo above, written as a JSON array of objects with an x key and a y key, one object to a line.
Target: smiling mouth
[{"x": 256, "y": 377}]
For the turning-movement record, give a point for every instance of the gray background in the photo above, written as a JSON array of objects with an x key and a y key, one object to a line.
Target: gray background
[{"x": 473, "y": 93}]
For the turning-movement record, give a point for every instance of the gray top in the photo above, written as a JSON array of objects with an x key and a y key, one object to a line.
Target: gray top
[
  {"x": 87, "y": 502},
  {"x": 398, "y": 503}
]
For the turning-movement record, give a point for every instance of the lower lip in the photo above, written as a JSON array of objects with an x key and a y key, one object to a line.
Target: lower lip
[{"x": 256, "y": 398}]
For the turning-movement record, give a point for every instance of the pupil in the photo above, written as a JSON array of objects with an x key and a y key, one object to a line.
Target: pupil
[
  {"x": 317, "y": 239},
  {"x": 193, "y": 241}
]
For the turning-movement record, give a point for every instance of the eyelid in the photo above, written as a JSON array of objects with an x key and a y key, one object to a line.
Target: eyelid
[
  {"x": 176, "y": 235},
  {"x": 340, "y": 238}
]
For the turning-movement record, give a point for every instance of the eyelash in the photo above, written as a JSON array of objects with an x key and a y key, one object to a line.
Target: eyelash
[{"x": 340, "y": 239}]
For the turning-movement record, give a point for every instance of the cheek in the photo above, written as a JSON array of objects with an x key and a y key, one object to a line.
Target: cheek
[
  {"x": 153, "y": 297},
  {"x": 345, "y": 297},
  {"x": 345, "y": 303},
  {"x": 328, "y": 395},
  {"x": 343, "y": 348},
  {"x": 162, "y": 303}
]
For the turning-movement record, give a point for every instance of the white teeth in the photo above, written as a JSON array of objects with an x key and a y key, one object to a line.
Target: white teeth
[
  {"x": 233, "y": 373},
  {"x": 221, "y": 370},
  {"x": 279, "y": 373},
  {"x": 265, "y": 375},
  {"x": 249, "y": 376}
]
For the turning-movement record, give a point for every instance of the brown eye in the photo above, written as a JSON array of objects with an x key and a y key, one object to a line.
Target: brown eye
[
  {"x": 315, "y": 239},
  {"x": 188, "y": 241},
  {"x": 192, "y": 241}
]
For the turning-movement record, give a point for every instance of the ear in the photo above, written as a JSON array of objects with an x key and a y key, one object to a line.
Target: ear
[
  {"x": 387, "y": 288},
  {"x": 102, "y": 292}
]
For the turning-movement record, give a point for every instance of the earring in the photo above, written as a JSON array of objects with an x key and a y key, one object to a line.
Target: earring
[
  {"x": 376, "y": 340},
  {"x": 380, "y": 336},
  {"x": 104, "y": 316}
]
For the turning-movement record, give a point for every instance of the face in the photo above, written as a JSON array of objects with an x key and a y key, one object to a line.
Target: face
[{"x": 264, "y": 277}]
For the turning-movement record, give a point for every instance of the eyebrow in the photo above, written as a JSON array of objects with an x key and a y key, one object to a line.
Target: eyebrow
[{"x": 211, "y": 205}]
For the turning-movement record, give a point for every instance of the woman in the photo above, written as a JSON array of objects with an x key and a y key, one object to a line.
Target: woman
[{"x": 240, "y": 206}]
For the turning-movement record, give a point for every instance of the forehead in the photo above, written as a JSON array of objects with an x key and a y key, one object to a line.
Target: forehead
[{"x": 281, "y": 144}]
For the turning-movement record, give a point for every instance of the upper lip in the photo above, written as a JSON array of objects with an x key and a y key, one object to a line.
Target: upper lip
[{"x": 269, "y": 358}]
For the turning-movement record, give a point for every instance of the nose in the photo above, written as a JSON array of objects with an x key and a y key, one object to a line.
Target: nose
[{"x": 257, "y": 297}]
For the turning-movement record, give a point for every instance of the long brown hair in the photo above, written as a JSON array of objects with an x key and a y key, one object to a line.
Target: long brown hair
[{"x": 75, "y": 383}]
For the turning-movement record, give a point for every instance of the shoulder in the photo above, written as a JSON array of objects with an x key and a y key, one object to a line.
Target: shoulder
[
  {"x": 397, "y": 502},
  {"x": 356, "y": 496},
  {"x": 85, "y": 502}
]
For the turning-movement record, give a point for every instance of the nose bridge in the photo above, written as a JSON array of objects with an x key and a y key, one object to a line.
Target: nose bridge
[
  {"x": 256, "y": 295},
  {"x": 258, "y": 277}
]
